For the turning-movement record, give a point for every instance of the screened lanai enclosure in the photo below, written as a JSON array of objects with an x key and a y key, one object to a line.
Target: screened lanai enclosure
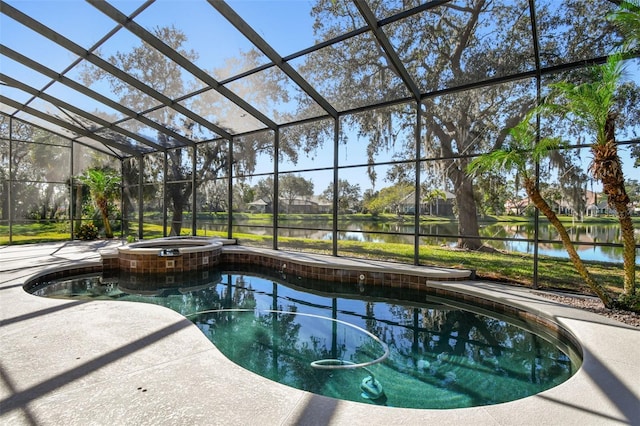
[{"x": 326, "y": 126}]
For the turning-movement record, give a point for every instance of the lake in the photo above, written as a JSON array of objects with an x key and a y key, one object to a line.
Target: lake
[{"x": 593, "y": 240}]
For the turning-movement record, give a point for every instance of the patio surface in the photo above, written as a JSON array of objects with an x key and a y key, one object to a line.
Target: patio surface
[{"x": 119, "y": 363}]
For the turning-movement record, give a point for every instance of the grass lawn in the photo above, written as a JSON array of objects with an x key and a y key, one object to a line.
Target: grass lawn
[
  {"x": 511, "y": 267},
  {"x": 514, "y": 268}
]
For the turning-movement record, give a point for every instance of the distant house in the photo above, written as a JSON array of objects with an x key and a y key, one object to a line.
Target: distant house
[
  {"x": 260, "y": 206},
  {"x": 595, "y": 206},
  {"x": 602, "y": 208},
  {"x": 562, "y": 207},
  {"x": 435, "y": 207},
  {"x": 324, "y": 206},
  {"x": 304, "y": 205},
  {"x": 516, "y": 207},
  {"x": 307, "y": 204}
]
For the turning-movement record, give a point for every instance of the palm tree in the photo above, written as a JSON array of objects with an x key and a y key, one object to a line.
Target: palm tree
[
  {"x": 521, "y": 153},
  {"x": 104, "y": 186},
  {"x": 627, "y": 19},
  {"x": 591, "y": 106}
]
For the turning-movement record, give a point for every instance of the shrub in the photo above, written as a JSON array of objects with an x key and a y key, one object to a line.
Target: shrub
[{"x": 87, "y": 231}]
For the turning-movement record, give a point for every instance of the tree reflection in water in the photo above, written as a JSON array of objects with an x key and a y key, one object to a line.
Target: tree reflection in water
[{"x": 441, "y": 356}]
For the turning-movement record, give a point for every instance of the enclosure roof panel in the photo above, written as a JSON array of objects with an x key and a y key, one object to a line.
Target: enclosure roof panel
[{"x": 141, "y": 76}]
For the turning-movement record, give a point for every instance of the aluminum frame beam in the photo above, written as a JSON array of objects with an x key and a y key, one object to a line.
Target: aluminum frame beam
[
  {"x": 176, "y": 57},
  {"x": 388, "y": 48},
  {"x": 78, "y": 50},
  {"x": 230, "y": 15},
  {"x": 36, "y": 66},
  {"x": 61, "y": 123},
  {"x": 61, "y": 104}
]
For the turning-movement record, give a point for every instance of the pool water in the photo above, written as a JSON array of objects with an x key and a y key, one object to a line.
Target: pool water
[{"x": 440, "y": 356}]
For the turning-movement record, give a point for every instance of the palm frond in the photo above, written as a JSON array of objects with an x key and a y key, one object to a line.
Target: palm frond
[
  {"x": 501, "y": 159},
  {"x": 588, "y": 104},
  {"x": 627, "y": 19},
  {"x": 544, "y": 146},
  {"x": 514, "y": 155}
]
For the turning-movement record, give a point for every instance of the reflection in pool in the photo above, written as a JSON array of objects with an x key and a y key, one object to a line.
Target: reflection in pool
[{"x": 440, "y": 356}]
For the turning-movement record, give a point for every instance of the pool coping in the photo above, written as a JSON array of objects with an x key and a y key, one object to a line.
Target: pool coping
[
  {"x": 139, "y": 363},
  {"x": 294, "y": 266}
]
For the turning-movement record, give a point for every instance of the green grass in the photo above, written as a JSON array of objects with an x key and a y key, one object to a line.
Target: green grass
[
  {"x": 35, "y": 233},
  {"x": 514, "y": 268}
]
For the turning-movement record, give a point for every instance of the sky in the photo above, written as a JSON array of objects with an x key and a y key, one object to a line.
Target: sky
[{"x": 286, "y": 25}]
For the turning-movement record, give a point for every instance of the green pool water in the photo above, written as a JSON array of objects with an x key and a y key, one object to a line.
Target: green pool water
[{"x": 419, "y": 352}]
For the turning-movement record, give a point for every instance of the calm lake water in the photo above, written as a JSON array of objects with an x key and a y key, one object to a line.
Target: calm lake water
[{"x": 593, "y": 239}]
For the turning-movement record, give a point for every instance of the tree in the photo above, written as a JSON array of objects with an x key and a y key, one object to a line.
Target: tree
[
  {"x": 104, "y": 187},
  {"x": 39, "y": 163},
  {"x": 390, "y": 199},
  {"x": 156, "y": 70},
  {"x": 368, "y": 197},
  {"x": 592, "y": 106},
  {"x": 429, "y": 196},
  {"x": 292, "y": 187},
  {"x": 4, "y": 168},
  {"x": 627, "y": 19},
  {"x": 243, "y": 194},
  {"x": 458, "y": 43},
  {"x": 492, "y": 192},
  {"x": 215, "y": 195},
  {"x": 48, "y": 162},
  {"x": 263, "y": 190},
  {"x": 520, "y": 153},
  {"x": 348, "y": 195},
  {"x": 632, "y": 187}
]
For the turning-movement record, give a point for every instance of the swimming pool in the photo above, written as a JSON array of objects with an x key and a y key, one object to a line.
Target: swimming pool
[{"x": 442, "y": 353}]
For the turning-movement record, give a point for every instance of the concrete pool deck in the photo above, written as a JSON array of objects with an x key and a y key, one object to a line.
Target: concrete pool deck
[{"x": 118, "y": 363}]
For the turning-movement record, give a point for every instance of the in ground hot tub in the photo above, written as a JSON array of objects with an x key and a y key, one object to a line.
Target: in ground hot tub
[{"x": 165, "y": 255}]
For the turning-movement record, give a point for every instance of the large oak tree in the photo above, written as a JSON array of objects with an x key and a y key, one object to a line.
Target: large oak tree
[{"x": 447, "y": 49}]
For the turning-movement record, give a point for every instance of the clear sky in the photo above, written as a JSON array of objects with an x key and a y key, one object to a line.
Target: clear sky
[{"x": 286, "y": 25}]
